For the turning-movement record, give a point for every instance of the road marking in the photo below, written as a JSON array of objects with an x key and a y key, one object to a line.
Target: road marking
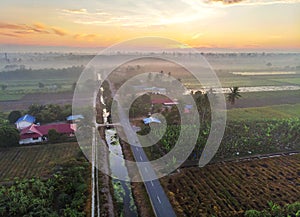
[
  {"x": 146, "y": 169},
  {"x": 136, "y": 148},
  {"x": 152, "y": 183},
  {"x": 141, "y": 157},
  {"x": 158, "y": 199}
]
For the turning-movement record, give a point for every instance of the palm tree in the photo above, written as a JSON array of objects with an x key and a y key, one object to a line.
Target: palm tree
[{"x": 233, "y": 95}]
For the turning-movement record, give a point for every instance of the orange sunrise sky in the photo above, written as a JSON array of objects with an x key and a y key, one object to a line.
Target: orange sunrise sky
[{"x": 249, "y": 24}]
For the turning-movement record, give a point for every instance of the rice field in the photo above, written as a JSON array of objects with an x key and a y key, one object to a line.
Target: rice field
[{"x": 34, "y": 161}]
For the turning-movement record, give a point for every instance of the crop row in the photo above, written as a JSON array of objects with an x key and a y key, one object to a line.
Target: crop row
[
  {"x": 34, "y": 161},
  {"x": 229, "y": 189}
]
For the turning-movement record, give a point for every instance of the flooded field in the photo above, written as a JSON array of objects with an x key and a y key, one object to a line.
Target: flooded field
[
  {"x": 250, "y": 89},
  {"x": 263, "y": 73}
]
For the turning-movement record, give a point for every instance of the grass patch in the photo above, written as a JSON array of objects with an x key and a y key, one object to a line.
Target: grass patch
[
  {"x": 16, "y": 89},
  {"x": 271, "y": 94},
  {"x": 264, "y": 113},
  {"x": 288, "y": 80},
  {"x": 10, "y": 97}
]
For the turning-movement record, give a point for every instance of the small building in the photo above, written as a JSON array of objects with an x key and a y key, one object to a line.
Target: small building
[
  {"x": 74, "y": 118},
  {"x": 165, "y": 102},
  {"x": 162, "y": 101},
  {"x": 156, "y": 90},
  {"x": 151, "y": 120},
  {"x": 147, "y": 89},
  {"x": 24, "y": 121},
  {"x": 188, "y": 108},
  {"x": 36, "y": 133}
]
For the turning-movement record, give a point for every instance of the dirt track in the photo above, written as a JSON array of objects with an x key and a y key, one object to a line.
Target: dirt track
[
  {"x": 37, "y": 98},
  {"x": 269, "y": 101},
  {"x": 66, "y": 98}
]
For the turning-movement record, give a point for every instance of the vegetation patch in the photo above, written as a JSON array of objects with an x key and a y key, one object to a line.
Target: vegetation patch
[
  {"x": 276, "y": 210},
  {"x": 264, "y": 113},
  {"x": 232, "y": 188},
  {"x": 240, "y": 139},
  {"x": 34, "y": 161},
  {"x": 63, "y": 194}
]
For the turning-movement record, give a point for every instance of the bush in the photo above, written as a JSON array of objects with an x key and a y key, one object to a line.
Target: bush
[
  {"x": 14, "y": 116},
  {"x": 275, "y": 210},
  {"x": 293, "y": 208},
  {"x": 36, "y": 197},
  {"x": 9, "y": 136},
  {"x": 252, "y": 213},
  {"x": 55, "y": 137}
]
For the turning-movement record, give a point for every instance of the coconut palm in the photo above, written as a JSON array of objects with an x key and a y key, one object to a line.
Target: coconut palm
[{"x": 233, "y": 95}]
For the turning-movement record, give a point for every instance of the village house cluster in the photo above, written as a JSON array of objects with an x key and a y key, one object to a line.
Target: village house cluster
[{"x": 32, "y": 132}]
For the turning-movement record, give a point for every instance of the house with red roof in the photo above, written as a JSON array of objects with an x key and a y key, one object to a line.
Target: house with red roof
[
  {"x": 165, "y": 102},
  {"x": 39, "y": 133}
]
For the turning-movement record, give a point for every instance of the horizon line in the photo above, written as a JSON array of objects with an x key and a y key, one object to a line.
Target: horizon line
[{"x": 27, "y": 48}]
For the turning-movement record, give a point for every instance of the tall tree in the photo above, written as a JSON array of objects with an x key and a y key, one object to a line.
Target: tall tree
[
  {"x": 9, "y": 136},
  {"x": 14, "y": 116},
  {"x": 41, "y": 85},
  {"x": 3, "y": 87},
  {"x": 54, "y": 136},
  {"x": 203, "y": 105},
  {"x": 233, "y": 95}
]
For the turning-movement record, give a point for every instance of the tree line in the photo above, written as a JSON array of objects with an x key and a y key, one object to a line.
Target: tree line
[
  {"x": 42, "y": 74},
  {"x": 63, "y": 194}
]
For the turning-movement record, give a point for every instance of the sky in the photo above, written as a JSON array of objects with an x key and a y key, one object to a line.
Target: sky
[{"x": 225, "y": 24}]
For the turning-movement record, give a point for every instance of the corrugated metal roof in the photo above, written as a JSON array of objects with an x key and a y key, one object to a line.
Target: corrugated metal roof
[
  {"x": 34, "y": 130},
  {"x": 151, "y": 120},
  {"x": 161, "y": 101},
  {"x": 74, "y": 117},
  {"x": 27, "y": 118}
]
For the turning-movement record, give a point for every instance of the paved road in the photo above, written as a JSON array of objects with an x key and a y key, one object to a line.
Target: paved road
[
  {"x": 95, "y": 204},
  {"x": 159, "y": 200}
]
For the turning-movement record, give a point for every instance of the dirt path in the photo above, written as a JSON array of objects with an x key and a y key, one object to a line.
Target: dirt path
[
  {"x": 67, "y": 97},
  {"x": 246, "y": 103},
  {"x": 37, "y": 98}
]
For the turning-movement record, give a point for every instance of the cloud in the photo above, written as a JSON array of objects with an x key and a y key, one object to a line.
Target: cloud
[
  {"x": 141, "y": 14},
  {"x": 11, "y": 26},
  {"x": 75, "y": 11},
  {"x": 9, "y": 34},
  {"x": 224, "y": 1},
  {"x": 88, "y": 37},
  {"x": 196, "y": 36},
  {"x": 58, "y": 31},
  {"x": 251, "y": 2},
  {"x": 39, "y": 26},
  {"x": 23, "y": 28},
  {"x": 158, "y": 13},
  {"x": 14, "y": 30}
]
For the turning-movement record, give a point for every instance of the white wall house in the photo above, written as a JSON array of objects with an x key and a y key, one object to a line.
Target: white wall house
[
  {"x": 30, "y": 140},
  {"x": 39, "y": 133}
]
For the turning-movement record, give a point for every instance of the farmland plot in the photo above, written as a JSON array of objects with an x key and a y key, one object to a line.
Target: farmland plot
[
  {"x": 229, "y": 189},
  {"x": 34, "y": 161}
]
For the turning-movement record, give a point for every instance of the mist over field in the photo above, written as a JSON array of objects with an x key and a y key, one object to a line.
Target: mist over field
[
  {"x": 219, "y": 61},
  {"x": 261, "y": 130},
  {"x": 187, "y": 108}
]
